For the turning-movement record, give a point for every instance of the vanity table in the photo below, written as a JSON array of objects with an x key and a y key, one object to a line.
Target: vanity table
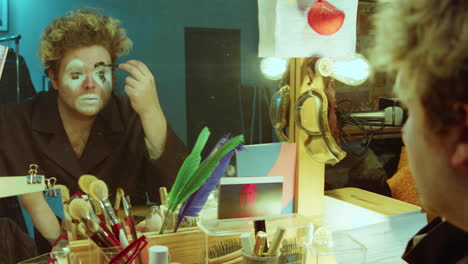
[{"x": 382, "y": 224}]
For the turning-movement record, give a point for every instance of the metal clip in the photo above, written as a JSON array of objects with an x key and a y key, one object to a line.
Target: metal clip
[
  {"x": 50, "y": 185},
  {"x": 33, "y": 178}
]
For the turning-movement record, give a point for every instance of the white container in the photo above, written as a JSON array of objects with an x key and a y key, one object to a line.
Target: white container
[
  {"x": 336, "y": 247},
  {"x": 158, "y": 255}
]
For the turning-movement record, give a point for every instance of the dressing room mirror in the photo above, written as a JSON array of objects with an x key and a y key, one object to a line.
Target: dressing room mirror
[{"x": 204, "y": 55}]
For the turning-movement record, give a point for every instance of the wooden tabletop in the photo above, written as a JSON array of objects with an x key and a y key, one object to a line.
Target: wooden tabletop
[{"x": 372, "y": 201}]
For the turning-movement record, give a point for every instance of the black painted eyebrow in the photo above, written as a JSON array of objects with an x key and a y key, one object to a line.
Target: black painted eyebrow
[{"x": 103, "y": 64}]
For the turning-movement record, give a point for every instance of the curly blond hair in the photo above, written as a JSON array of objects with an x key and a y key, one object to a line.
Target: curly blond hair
[
  {"x": 83, "y": 27},
  {"x": 427, "y": 40}
]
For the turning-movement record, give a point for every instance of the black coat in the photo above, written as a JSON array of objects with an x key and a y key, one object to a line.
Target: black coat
[{"x": 440, "y": 242}]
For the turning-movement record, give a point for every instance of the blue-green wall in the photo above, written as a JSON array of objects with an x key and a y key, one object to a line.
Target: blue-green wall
[{"x": 157, "y": 29}]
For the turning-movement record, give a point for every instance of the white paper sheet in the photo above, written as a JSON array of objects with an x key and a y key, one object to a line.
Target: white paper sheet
[
  {"x": 17, "y": 185},
  {"x": 285, "y": 32},
  {"x": 386, "y": 241},
  {"x": 384, "y": 236}
]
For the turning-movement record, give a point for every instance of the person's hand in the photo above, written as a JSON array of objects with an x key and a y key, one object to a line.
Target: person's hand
[{"x": 140, "y": 87}]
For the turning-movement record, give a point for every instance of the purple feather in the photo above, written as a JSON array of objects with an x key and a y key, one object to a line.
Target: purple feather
[
  {"x": 197, "y": 200},
  {"x": 218, "y": 145}
]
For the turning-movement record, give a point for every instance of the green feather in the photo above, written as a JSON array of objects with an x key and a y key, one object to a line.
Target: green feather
[
  {"x": 192, "y": 175},
  {"x": 189, "y": 166},
  {"x": 204, "y": 172}
]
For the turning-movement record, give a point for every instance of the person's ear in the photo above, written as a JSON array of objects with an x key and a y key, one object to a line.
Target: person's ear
[
  {"x": 460, "y": 156},
  {"x": 53, "y": 79}
]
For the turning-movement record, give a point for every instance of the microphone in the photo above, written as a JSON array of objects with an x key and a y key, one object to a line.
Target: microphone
[{"x": 392, "y": 115}]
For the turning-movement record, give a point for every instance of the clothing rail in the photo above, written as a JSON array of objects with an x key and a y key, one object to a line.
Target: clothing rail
[
  {"x": 16, "y": 38},
  {"x": 8, "y": 38}
]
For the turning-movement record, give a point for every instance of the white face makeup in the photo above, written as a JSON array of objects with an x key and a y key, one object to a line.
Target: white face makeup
[
  {"x": 91, "y": 81},
  {"x": 103, "y": 76},
  {"x": 75, "y": 74}
]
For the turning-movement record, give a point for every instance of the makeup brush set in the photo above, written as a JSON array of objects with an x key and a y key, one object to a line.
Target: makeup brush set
[{"x": 91, "y": 215}]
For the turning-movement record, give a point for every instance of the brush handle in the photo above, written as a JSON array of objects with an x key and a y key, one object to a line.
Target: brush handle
[
  {"x": 94, "y": 216},
  {"x": 123, "y": 237},
  {"x": 131, "y": 223},
  {"x": 104, "y": 227},
  {"x": 118, "y": 198},
  {"x": 100, "y": 240},
  {"x": 116, "y": 230},
  {"x": 120, "y": 234},
  {"x": 94, "y": 208},
  {"x": 109, "y": 211},
  {"x": 94, "y": 227},
  {"x": 111, "y": 238},
  {"x": 116, "y": 227},
  {"x": 129, "y": 217},
  {"x": 108, "y": 239}
]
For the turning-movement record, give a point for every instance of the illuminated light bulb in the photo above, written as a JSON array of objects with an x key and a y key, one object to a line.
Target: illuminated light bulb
[
  {"x": 273, "y": 68},
  {"x": 352, "y": 71}
]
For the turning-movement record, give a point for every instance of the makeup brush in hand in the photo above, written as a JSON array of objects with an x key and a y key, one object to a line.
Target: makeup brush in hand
[
  {"x": 98, "y": 189},
  {"x": 79, "y": 210}
]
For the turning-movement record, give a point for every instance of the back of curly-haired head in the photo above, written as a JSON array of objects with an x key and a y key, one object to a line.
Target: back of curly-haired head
[
  {"x": 83, "y": 27},
  {"x": 427, "y": 40}
]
